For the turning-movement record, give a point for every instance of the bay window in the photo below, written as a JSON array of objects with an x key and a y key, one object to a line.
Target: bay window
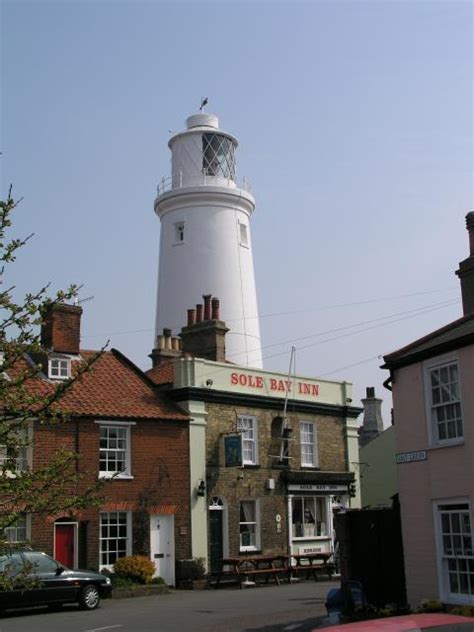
[{"x": 309, "y": 517}]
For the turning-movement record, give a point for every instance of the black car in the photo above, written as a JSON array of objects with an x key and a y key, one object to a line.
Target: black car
[{"x": 30, "y": 578}]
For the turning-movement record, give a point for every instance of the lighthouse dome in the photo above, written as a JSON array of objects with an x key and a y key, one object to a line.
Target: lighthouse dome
[{"x": 202, "y": 120}]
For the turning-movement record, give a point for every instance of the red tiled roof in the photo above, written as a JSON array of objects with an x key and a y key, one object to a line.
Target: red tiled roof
[
  {"x": 162, "y": 374},
  {"x": 113, "y": 387}
]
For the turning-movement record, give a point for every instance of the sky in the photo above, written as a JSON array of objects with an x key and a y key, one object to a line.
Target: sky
[{"x": 355, "y": 130}]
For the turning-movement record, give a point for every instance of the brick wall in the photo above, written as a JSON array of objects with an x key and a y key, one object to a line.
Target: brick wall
[
  {"x": 160, "y": 469},
  {"x": 235, "y": 484}
]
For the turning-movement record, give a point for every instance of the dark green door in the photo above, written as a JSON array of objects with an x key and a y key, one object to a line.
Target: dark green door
[{"x": 215, "y": 539}]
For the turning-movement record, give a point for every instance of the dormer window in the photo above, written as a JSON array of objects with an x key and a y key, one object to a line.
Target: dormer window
[{"x": 59, "y": 368}]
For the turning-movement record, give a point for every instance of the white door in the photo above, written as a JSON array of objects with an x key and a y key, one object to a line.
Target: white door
[{"x": 162, "y": 546}]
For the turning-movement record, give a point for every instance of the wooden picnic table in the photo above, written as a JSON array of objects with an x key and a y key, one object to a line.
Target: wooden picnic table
[
  {"x": 311, "y": 563},
  {"x": 246, "y": 568}
]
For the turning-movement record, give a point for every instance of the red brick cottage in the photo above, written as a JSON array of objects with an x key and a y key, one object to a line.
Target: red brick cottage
[{"x": 122, "y": 428}]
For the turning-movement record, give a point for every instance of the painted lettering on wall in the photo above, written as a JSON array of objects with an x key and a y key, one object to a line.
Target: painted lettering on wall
[{"x": 274, "y": 384}]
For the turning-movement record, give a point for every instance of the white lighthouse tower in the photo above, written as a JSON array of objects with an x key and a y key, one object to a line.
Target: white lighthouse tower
[{"x": 205, "y": 244}]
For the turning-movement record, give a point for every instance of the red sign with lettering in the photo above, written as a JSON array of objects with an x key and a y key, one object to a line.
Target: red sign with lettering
[{"x": 274, "y": 384}]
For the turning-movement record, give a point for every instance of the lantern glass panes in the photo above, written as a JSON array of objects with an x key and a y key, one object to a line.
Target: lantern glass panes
[{"x": 218, "y": 156}]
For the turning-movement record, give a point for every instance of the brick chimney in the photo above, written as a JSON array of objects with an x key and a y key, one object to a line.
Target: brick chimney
[
  {"x": 466, "y": 270},
  {"x": 61, "y": 328},
  {"x": 204, "y": 335},
  {"x": 168, "y": 347},
  {"x": 372, "y": 424}
]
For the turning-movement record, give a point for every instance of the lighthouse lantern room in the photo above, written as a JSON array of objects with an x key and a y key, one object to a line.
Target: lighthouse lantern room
[{"x": 205, "y": 244}]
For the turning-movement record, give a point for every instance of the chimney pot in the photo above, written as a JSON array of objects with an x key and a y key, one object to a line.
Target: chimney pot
[
  {"x": 470, "y": 228},
  {"x": 191, "y": 317},
  {"x": 215, "y": 309},
  {"x": 207, "y": 306},
  {"x": 370, "y": 391},
  {"x": 167, "y": 338},
  {"x": 199, "y": 313}
]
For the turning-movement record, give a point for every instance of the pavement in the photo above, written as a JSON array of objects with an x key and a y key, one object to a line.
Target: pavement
[{"x": 295, "y": 607}]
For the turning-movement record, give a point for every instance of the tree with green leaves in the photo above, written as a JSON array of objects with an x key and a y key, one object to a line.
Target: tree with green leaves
[{"x": 25, "y": 399}]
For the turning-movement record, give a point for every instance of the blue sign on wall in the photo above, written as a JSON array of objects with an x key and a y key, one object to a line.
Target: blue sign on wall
[{"x": 233, "y": 450}]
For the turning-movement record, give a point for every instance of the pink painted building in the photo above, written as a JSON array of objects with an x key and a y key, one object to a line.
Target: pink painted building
[{"x": 432, "y": 380}]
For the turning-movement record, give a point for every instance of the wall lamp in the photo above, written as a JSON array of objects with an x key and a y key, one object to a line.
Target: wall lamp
[{"x": 201, "y": 488}]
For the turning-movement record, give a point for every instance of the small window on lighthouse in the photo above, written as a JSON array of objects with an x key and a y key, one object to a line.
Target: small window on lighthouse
[
  {"x": 179, "y": 232},
  {"x": 244, "y": 240}
]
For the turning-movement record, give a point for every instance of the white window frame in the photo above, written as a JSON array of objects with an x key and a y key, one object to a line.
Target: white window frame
[
  {"x": 128, "y": 538},
  {"x": 59, "y": 367},
  {"x": 257, "y": 546},
  {"x": 24, "y": 458},
  {"x": 179, "y": 234},
  {"x": 442, "y": 559},
  {"x": 428, "y": 367},
  {"x": 13, "y": 529},
  {"x": 314, "y": 461},
  {"x": 127, "y": 472},
  {"x": 249, "y": 438}
]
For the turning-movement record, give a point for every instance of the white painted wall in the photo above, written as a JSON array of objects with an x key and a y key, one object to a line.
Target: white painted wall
[{"x": 211, "y": 259}]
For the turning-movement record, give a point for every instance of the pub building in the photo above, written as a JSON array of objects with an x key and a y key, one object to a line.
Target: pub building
[{"x": 272, "y": 457}]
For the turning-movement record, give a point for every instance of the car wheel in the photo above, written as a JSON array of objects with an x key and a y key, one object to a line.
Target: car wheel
[{"x": 89, "y": 597}]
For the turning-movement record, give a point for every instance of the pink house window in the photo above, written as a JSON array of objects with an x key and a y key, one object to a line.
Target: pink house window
[{"x": 446, "y": 412}]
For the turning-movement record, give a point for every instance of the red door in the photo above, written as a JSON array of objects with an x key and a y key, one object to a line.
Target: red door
[{"x": 64, "y": 549}]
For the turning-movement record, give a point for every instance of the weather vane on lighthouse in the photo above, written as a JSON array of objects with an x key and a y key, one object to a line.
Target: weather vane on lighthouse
[{"x": 204, "y": 102}]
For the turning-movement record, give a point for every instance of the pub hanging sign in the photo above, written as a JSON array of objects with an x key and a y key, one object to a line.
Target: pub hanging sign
[{"x": 233, "y": 450}]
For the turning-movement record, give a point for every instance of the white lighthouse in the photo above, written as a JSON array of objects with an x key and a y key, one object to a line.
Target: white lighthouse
[{"x": 205, "y": 244}]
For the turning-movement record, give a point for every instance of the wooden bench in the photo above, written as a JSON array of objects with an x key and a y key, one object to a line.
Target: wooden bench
[{"x": 268, "y": 572}]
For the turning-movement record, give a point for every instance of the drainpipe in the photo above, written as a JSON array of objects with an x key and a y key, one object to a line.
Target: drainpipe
[
  {"x": 389, "y": 381},
  {"x": 76, "y": 444},
  {"x": 289, "y": 499}
]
